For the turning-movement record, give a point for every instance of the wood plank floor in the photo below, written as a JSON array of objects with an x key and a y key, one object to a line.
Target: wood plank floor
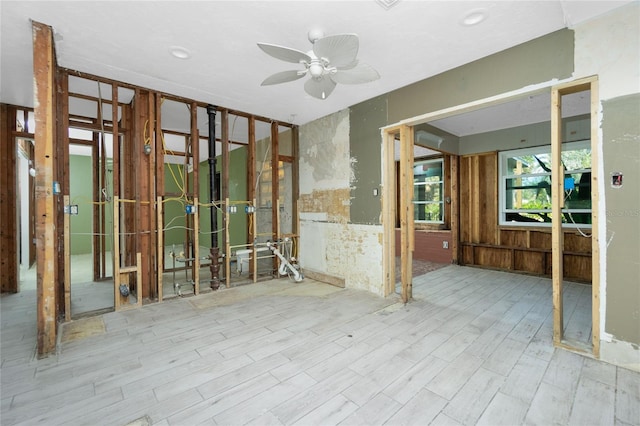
[{"x": 474, "y": 347}]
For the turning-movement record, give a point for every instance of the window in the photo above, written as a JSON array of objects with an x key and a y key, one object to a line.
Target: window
[
  {"x": 428, "y": 191},
  {"x": 525, "y": 185}
]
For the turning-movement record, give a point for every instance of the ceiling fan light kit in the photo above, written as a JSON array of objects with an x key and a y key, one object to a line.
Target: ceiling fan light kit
[{"x": 331, "y": 61}]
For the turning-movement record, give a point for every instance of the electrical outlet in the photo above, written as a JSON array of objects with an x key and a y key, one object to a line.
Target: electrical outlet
[{"x": 445, "y": 244}]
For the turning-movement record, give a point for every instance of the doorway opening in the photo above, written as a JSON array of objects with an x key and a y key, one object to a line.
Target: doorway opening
[{"x": 504, "y": 196}]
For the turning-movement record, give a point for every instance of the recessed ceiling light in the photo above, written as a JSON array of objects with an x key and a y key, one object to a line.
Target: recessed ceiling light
[
  {"x": 179, "y": 52},
  {"x": 474, "y": 17}
]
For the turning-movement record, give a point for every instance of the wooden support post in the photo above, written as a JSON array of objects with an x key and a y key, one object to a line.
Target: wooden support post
[
  {"x": 388, "y": 201},
  {"x": 255, "y": 232},
  {"x": 9, "y": 233},
  {"x": 196, "y": 248},
  {"x": 276, "y": 236},
  {"x": 67, "y": 261},
  {"x": 116, "y": 253},
  {"x": 44, "y": 66},
  {"x": 406, "y": 210},
  {"x": 557, "y": 197},
  {"x": 474, "y": 194},
  {"x": 227, "y": 246},
  {"x": 295, "y": 181},
  {"x": 138, "y": 279},
  {"x": 595, "y": 227},
  {"x": 455, "y": 210},
  {"x": 195, "y": 156},
  {"x": 160, "y": 247},
  {"x": 275, "y": 185}
]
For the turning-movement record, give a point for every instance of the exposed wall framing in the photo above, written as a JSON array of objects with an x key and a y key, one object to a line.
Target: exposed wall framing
[
  {"x": 560, "y": 243},
  {"x": 138, "y": 170}
]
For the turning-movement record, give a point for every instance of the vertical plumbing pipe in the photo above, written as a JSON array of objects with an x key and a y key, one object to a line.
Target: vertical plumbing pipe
[{"x": 213, "y": 197}]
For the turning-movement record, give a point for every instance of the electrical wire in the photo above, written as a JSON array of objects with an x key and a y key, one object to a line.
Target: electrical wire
[{"x": 566, "y": 198}]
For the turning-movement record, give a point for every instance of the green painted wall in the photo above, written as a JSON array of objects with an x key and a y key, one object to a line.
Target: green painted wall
[
  {"x": 621, "y": 149},
  {"x": 537, "y": 61},
  {"x": 540, "y": 60},
  {"x": 365, "y": 121},
  {"x": 81, "y": 193}
]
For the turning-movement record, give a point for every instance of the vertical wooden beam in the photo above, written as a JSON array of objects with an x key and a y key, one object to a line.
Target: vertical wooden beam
[
  {"x": 160, "y": 192},
  {"x": 44, "y": 66},
  {"x": 9, "y": 233},
  {"x": 557, "y": 197},
  {"x": 595, "y": 227},
  {"x": 115, "y": 143},
  {"x": 147, "y": 247},
  {"x": 159, "y": 149},
  {"x": 195, "y": 155},
  {"x": 227, "y": 249},
  {"x": 406, "y": 211},
  {"x": 196, "y": 248},
  {"x": 275, "y": 181},
  {"x": 254, "y": 224},
  {"x": 32, "y": 210},
  {"x": 474, "y": 193},
  {"x": 251, "y": 171},
  {"x": 116, "y": 253},
  {"x": 160, "y": 247},
  {"x": 388, "y": 200},
  {"x": 61, "y": 171},
  {"x": 98, "y": 211},
  {"x": 295, "y": 180},
  {"x": 455, "y": 209},
  {"x": 67, "y": 261}
]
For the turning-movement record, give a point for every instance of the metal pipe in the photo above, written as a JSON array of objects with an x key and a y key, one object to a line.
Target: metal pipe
[{"x": 213, "y": 197}]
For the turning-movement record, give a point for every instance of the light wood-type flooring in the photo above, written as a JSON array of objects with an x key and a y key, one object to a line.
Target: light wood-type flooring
[{"x": 473, "y": 347}]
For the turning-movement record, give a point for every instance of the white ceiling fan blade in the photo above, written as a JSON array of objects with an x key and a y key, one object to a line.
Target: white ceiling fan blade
[
  {"x": 284, "y": 53},
  {"x": 349, "y": 66},
  {"x": 283, "y": 77},
  {"x": 362, "y": 73},
  {"x": 340, "y": 49},
  {"x": 319, "y": 88}
]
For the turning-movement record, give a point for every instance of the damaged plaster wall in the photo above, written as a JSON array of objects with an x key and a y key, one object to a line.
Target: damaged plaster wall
[{"x": 332, "y": 248}]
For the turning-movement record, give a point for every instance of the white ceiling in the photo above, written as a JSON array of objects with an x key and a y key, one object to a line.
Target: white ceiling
[{"x": 405, "y": 41}]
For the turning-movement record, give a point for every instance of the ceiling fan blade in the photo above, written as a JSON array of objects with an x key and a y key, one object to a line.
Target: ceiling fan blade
[
  {"x": 362, "y": 73},
  {"x": 284, "y": 53},
  {"x": 319, "y": 88},
  {"x": 349, "y": 66},
  {"x": 283, "y": 77},
  {"x": 340, "y": 49}
]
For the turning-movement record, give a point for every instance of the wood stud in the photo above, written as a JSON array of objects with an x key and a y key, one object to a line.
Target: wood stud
[{"x": 44, "y": 68}]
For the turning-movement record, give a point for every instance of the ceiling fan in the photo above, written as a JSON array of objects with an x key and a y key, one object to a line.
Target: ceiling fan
[{"x": 332, "y": 60}]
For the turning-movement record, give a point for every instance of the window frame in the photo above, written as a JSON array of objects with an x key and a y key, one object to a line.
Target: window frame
[
  {"x": 431, "y": 160},
  {"x": 504, "y": 156}
]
